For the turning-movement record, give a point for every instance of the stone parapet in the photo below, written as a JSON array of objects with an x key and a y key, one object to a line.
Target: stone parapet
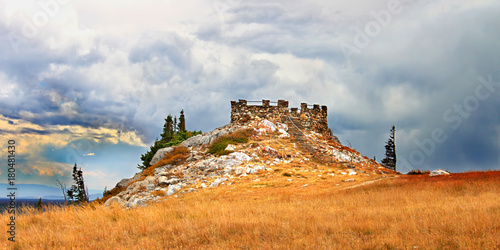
[{"x": 314, "y": 119}]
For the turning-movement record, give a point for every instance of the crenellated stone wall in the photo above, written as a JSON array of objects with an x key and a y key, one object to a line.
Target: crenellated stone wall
[{"x": 314, "y": 119}]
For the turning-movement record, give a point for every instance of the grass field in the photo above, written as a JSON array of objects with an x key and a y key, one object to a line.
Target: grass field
[{"x": 461, "y": 211}]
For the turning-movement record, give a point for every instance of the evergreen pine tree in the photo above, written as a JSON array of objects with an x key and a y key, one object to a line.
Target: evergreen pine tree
[
  {"x": 77, "y": 192},
  {"x": 390, "y": 151},
  {"x": 182, "y": 122},
  {"x": 168, "y": 130},
  {"x": 173, "y": 134},
  {"x": 175, "y": 124},
  {"x": 39, "y": 205}
]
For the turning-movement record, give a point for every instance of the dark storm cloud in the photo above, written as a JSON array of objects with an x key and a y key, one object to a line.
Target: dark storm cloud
[
  {"x": 306, "y": 31},
  {"x": 35, "y": 131},
  {"x": 422, "y": 63}
]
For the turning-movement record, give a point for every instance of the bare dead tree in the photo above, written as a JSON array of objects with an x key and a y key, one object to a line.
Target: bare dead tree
[{"x": 63, "y": 189}]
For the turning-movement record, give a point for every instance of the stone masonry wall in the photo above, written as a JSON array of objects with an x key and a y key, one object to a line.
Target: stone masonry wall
[{"x": 314, "y": 119}]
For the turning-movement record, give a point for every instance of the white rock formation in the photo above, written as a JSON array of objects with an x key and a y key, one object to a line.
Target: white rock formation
[
  {"x": 438, "y": 172},
  {"x": 160, "y": 154}
]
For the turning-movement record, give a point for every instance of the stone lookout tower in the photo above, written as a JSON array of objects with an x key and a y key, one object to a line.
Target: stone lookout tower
[{"x": 313, "y": 119}]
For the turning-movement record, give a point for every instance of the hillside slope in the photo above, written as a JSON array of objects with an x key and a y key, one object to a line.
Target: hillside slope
[
  {"x": 457, "y": 211},
  {"x": 260, "y": 152}
]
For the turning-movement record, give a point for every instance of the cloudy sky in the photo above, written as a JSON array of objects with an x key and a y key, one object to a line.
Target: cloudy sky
[{"x": 91, "y": 81}]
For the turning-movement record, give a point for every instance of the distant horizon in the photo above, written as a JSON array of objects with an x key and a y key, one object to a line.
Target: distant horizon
[{"x": 32, "y": 191}]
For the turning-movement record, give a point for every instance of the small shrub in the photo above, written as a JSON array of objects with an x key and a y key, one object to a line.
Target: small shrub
[
  {"x": 175, "y": 157},
  {"x": 287, "y": 174},
  {"x": 225, "y": 152},
  {"x": 417, "y": 172}
]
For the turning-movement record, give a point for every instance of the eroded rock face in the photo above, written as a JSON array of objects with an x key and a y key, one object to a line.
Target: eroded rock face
[
  {"x": 209, "y": 137},
  {"x": 160, "y": 154},
  {"x": 192, "y": 174},
  {"x": 125, "y": 182}
]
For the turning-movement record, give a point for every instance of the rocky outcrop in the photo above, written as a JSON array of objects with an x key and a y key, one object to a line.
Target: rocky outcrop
[{"x": 202, "y": 170}]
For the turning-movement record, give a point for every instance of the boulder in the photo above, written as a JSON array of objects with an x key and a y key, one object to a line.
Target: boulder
[
  {"x": 160, "y": 154},
  {"x": 250, "y": 170},
  {"x": 163, "y": 173},
  {"x": 230, "y": 147},
  {"x": 266, "y": 126},
  {"x": 268, "y": 150},
  {"x": 194, "y": 141},
  {"x": 259, "y": 167},
  {"x": 241, "y": 170},
  {"x": 173, "y": 188},
  {"x": 172, "y": 181},
  {"x": 114, "y": 201},
  {"x": 163, "y": 170},
  {"x": 135, "y": 203},
  {"x": 150, "y": 187},
  {"x": 239, "y": 156},
  {"x": 438, "y": 172},
  {"x": 231, "y": 160},
  {"x": 218, "y": 182},
  {"x": 282, "y": 127},
  {"x": 162, "y": 180},
  {"x": 149, "y": 180},
  {"x": 284, "y": 135},
  {"x": 125, "y": 182},
  {"x": 227, "y": 170},
  {"x": 340, "y": 155}
]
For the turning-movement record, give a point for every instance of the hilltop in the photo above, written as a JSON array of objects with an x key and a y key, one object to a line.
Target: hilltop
[
  {"x": 263, "y": 144},
  {"x": 273, "y": 180}
]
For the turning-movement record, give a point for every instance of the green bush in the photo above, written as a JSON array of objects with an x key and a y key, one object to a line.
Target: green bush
[
  {"x": 218, "y": 146},
  {"x": 224, "y": 152}
]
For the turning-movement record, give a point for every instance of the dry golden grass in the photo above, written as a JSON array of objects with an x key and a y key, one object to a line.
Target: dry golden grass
[{"x": 461, "y": 211}]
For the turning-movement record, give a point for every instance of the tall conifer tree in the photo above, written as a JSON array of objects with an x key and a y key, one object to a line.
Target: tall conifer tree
[
  {"x": 390, "y": 151},
  {"x": 182, "y": 122},
  {"x": 77, "y": 193}
]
